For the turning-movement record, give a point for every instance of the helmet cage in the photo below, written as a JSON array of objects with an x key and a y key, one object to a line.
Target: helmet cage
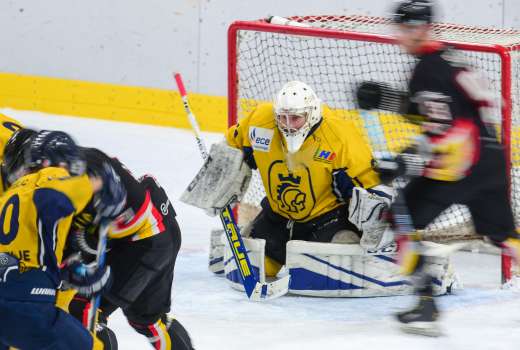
[
  {"x": 296, "y": 99},
  {"x": 291, "y": 122}
]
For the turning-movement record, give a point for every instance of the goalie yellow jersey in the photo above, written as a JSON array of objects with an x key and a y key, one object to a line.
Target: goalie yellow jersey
[
  {"x": 36, "y": 214},
  {"x": 299, "y": 186}
]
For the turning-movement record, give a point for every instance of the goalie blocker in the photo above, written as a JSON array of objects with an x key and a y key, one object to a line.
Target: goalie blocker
[{"x": 223, "y": 176}]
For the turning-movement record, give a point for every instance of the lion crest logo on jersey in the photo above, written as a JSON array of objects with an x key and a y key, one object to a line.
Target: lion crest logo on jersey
[
  {"x": 260, "y": 138},
  {"x": 291, "y": 197},
  {"x": 291, "y": 191}
]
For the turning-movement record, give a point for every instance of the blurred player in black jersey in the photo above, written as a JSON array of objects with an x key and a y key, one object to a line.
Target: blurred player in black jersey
[
  {"x": 456, "y": 159},
  {"x": 143, "y": 244}
]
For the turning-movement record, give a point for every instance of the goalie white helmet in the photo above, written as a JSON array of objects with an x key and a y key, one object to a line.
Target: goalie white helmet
[{"x": 297, "y": 110}]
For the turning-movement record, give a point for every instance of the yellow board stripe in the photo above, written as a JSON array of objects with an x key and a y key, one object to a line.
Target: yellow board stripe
[{"x": 110, "y": 102}]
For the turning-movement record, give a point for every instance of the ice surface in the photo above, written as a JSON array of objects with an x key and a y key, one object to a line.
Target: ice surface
[{"x": 482, "y": 316}]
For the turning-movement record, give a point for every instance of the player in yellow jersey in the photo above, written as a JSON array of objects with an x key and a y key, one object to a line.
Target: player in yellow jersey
[{"x": 36, "y": 213}]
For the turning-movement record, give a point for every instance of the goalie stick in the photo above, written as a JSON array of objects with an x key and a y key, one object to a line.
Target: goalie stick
[{"x": 255, "y": 290}]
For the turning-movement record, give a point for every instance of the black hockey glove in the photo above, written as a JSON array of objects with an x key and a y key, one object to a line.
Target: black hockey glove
[
  {"x": 369, "y": 95},
  {"x": 405, "y": 164},
  {"x": 111, "y": 199},
  {"x": 88, "y": 281},
  {"x": 375, "y": 95}
]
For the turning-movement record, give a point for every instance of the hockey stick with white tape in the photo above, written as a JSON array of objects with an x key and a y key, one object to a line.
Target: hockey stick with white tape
[
  {"x": 255, "y": 290},
  {"x": 401, "y": 216},
  {"x": 191, "y": 117}
]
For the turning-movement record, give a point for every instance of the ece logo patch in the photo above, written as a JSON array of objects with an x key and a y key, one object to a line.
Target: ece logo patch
[{"x": 261, "y": 138}]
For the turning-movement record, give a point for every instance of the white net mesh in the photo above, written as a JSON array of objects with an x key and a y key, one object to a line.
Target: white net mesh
[{"x": 332, "y": 61}]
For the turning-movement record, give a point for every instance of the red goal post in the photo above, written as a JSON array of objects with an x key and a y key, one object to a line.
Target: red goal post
[{"x": 334, "y": 53}]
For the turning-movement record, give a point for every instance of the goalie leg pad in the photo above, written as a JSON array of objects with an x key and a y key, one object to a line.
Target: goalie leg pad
[
  {"x": 217, "y": 245},
  {"x": 223, "y": 176},
  {"x": 216, "y": 252},
  {"x": 256, "y": 252},
  {"x": 347, "y": 270}
]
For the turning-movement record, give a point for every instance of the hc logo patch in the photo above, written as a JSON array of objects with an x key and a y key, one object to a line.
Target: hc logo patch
[
  {"x": 260, "y": 138},
  {"x": 324, "y": 156}
]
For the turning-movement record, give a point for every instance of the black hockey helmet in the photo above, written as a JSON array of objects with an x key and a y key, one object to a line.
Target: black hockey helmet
[
  {"x": 414, "y": 12},
  {"x": 55, "y": 148},
  {"x": 14, "y": 154}
]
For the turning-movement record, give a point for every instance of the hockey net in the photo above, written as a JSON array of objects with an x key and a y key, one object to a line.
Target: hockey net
[{"x": 334, "y": 53}]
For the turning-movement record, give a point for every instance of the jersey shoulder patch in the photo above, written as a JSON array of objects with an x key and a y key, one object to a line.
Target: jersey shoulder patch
[
  {"x": 262, "y": 127},
  {"x": 261, "y": 138}
]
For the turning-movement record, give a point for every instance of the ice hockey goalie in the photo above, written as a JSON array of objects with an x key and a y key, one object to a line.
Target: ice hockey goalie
[{"x": 322, "y": 214}]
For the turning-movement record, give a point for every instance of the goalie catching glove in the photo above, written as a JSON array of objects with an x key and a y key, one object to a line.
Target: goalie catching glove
[
  {"x": 223, "y": 176},
  {"x": 366, "y": 211}
]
